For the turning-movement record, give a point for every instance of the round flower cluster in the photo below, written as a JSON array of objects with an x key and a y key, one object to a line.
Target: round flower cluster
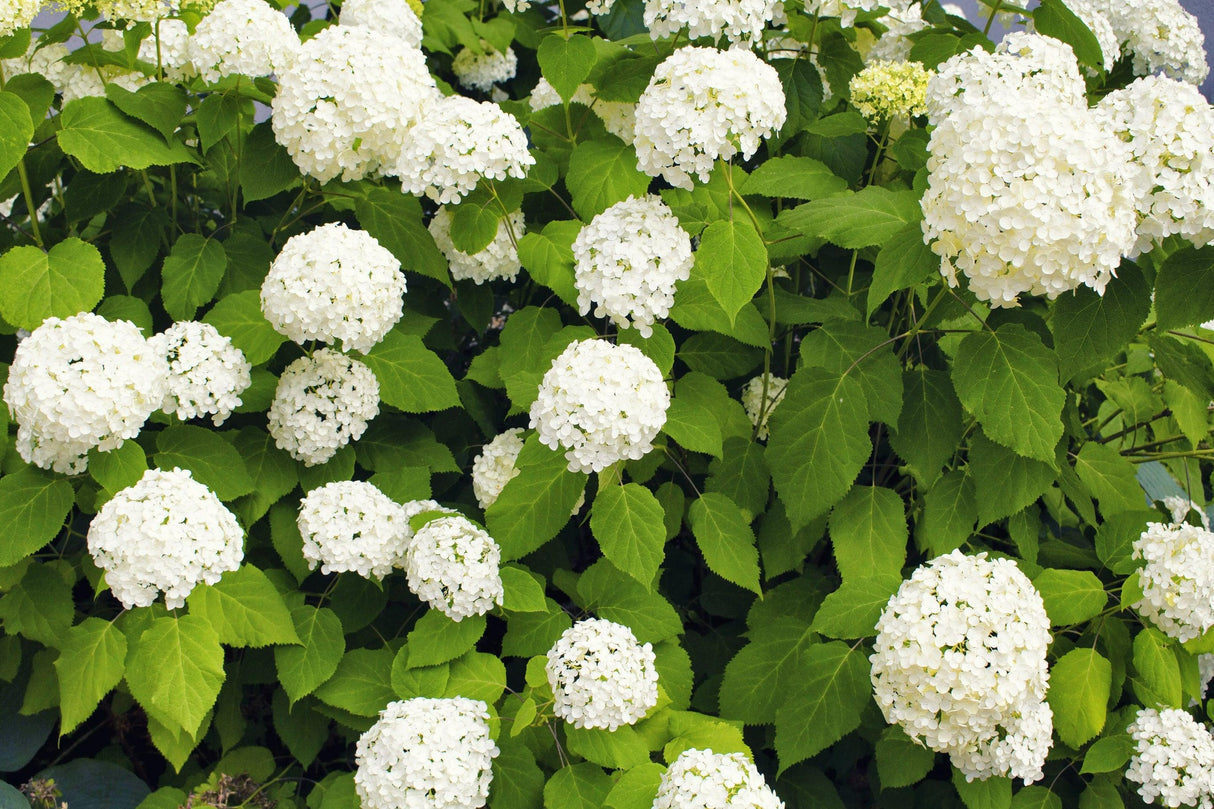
[
  {"x": 885, "y": 90},
  {"x": 333, "y": 283},
  {"x": 959, "y": 662},
  {"x": 703, "y": 105},
  {"x": 1169, "y": 127},
  {"x": 207, "y": 373},
  {"x": 245, "y": 37},
  {"x": 601, "y": 676},
  {"x": 167, "y": 533},
  {"x": 81, "y": 383},
  {"x": 457, "y": 142},
  {"x": 618, "y": 117},
  {"x": 708, "y": 780},
  {"x": 738, "y": 20},
  {"x": 480, "y": 71},
  {"x": 348, "y": 102},
  {"x": 1177, "y": 578},
  {"x": 135, "y": 10},
  {"x": 392, "y": 17},
  {"x": 1172, "y": 758},
  {"x": 434, "y": 753},
  {"x": 499, "y": 259},
  {"x": 494, "y": 467},
  {"x": 18, "y": 14},
  {"x": 322, "y": 403},
  {"x": 758, "y": 411},
  {"x": 453, "y": 565},
  {"x": 1160, "y": 35},
  {"x": 895, "y": 44},
  {"x": 602, "y": 403},
  {"x": 168, "y": 48},
  {"x": 628, "y": 260},
  {"x": 351, "y": 526},
  {"x": 1097, "y": 21},
  {"x": 845, "y": 10}
]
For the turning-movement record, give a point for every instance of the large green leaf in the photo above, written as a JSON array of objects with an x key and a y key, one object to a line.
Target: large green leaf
[
  {"x": 857, "y": 219},
  {"x": 1183, "y": 294},
  {"x": 627, "y": 522},
  {"x": 118, "y": 468},
  {"x": 1003, "y": 481},
  {"x": 1156, "y": 679},
  {"x": 33, "y": 506},
  {"x": 904, "y": 261},
  {"x": 732, "y": 261},
  {"x": 160, "y": 105},
  {"x": 864, "y": 353},
  {"x": 16, "y": 129},
  {"x": 547, "y": 255},
  {"x": 725, "y": 538},
  {"x": 1070, "y": 596},
  {"x": 362, "y": 683},
  {"x": 175, "y": 670},
  {"x": 901, "y": 761},
  {"x": 852, "y": 610},
  {"x": 212, "y": 461},
  {"x": 603, "y": 172},
  {"x": 91, "y": 661},
  {"x": 536, "y": 503},
  {"x": 93, "y": 131},
  {"x": 950, "y": 511},
  {"x": 1089, "y": 327},
  {"x": 761, "y": 674},
  {"x": 395, "y": 220},
  {"x": 1054, "y": 19},
  {"x": 824, "y": 704},
  {"x": 742, "y": 475},
  {"x": 621, "y": 748},
  {"x": 1079, "y": 694},
  {"x": 239, "y": 318},
  {"x": 518, "y": 782},
  {"x": 993, "y": 793},
  {"x": 192, "y": 272},
  {"x": 244, "y": 609},
  {"x": 617, "y": 597},
  {"x": 577, "y": 786},
  {"x": 302, "y": 669},
  {"x": 1110, "y": 477},
  {"x": 793, "y": 177},
  {"x": 35, "y": 285},
  {"x": 566, "y": 63},
  {"x": 868, "y": 532},
  {"x": 930, "y": 425},
  {"x": 40, "y": 606},
  {"x": 435, "y": 638},
  {"x": 411, "y": 376}
]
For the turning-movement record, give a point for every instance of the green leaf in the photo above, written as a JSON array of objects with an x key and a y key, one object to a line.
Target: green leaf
[
  {"x": 636, "y": 787},
  {"x": 16, "y": 130},
  {"x": 864, "y": 353},
  {"x": 435, "y": 638},
  {"x": 1070, "y": 596},
  {"x": 477, "y": 675},
  {"x": 803, "y": 93},
  {"x": 819, "y": 442},
  {"x": 695, "y": 308},
  {"x": 362, "y": 683},
  {"x": 266, "y": 168},
  {"x": 1184, "y": 363},
  {"x": 741, "y": 475},
  {"x": 725, "y": 538},
  {"x": 273, "y": 471},
  {"x": 1089, "y": 328},
  {"x": 244, "y": 609},
  {"x": 1110, "y": 478},
  {"x": 603, "y": 172},
  {"x": 699, "y": 732},
  {"x": 1009, "y": 381},
  {"x": 33, "y": 507},
  {"x": 617, "y": 597},
  {"x": 685, "y": 423},
  {"x": 930, "y": 424},
  {"x": 548, "y": 256},
  {"x": 135, "y": 240},
  {"x": 40, "y": 605},
  {"x": 103, "y": 139},
  {"x": 36, "y": 285},
  {"x": 1109, "y": 754},
  {"x": 1004, "y": 482},
  {"x": 239, "y": 317},
  {"x": 536, "y": 503},
  {"x": 118, "y": 468},
  {"x": 868, "y": 531},
  {"x": 1035, "y": 797},
  {"x": 871, "y": 216},
  {"x": 732, "y": 261},
  {"x": 524, "y": 359},
  {"x": 213, "y": 462},
  {"x": 217, "y": 117},
  {"x": 395, "y": 220},
  {"x": 302, "y": 669},
  {"x": 794, "y": 177},
  {"x": 92, "y": 659},
  {"x": 175, "y": 670},
  {"x": 950, "y": 512},
  {"x": 1182, "y": 295},
  {"x": 522, "y": 592},
  {"x": 627, "y": 522},
  {"x": 411, "y": 376},
  {"x": 518, "y": 783},
  {"x": 719, "y": 356},
  {"x": 473, "y": 225},
  {"x": 1115, "y": 539},
  {"x": 760, "y": 676},
  {"x": 159, "y": 105},
  {"x": 577, "y": 786},
  {"x": 852, "y": 610},
  {"x": 533, "y": 633},
  {"x": 825, "y": 704},
  {"x": 993, "y": 793},
  {"x": 192, "y": 272},
  {"x": 566, "y": 63},
  {"x": 904, "y": 261},
  {"x": 1053, "y": 19},
  {"x": 1079, "y": 694},
  {"x": 618, "y": 749},
  {"x": 424, "y": 681},
  {"x": 1157, "y": 673},
  {"x": 901, "y": 761}
]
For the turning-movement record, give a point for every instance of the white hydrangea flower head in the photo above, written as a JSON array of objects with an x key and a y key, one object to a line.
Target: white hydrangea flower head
[
  {"x": 415, "y": 507},
  {"x": 960, "y": 650},
  {"x": 628, "y": 260},
  {"x": 1097, "y": 21},
  {"x": 1177, "y": 578},
  {"x": 393, "y": 17},
  {"x": 707, "y": 780},
  {"x": 703, "y": 105},
  {"x": 1171, "y": 761},
  {"x": 135, "y": 10},
  {"x": 334, "y": 283},
  {"x": 601, "y": 676},
  {"x": 1181, "y": 507},
  {"x": 1018, "y": 750},
  {"x": 426, "y": 754},
  {"x": 896, "y": 43},
  {"x": 457, "y": 142},
  {"x": 516, "y": 6},
  {"x": 499, "y": 258},
  {"x": 753, "y": 404},
  {"x": 207, "y": 373},
  {"x": 346, "y": 105},
  {"x": 480, "y": 71},
  {"x": 845, "y": 10},
  {"x": 886, "y": 90},
  {"x": 81, "y": 383},
  {"x": 455, "y": 566},
  {"x": 494, "y": 467},
  {"x": 243, "y": 37},
  {"x": 618, "y": 117},
  {"x": 739, "y": 21},
  {"x": 169, "y": 49},
  {"x": 17, "y": 14},
  {"x": 167, "y": 533},
  {"x": 1169, "y": 127},
  {"x": 601, "y": 403},
  {"x": 322, "y": 403},
  {"x": 351, "y": 526},
  {"x": 1160, "y": 36}
]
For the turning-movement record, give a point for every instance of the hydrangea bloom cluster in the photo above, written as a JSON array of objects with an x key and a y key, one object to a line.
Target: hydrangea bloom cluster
[
  {"x": 1172, "y": 758},
  {"x": 703, "y": 105},
  {"x": 168, "y": 48},
  {"x": 601, "y": 403},
  {"x": 618, "y": 117},
  {"x": 346, "y": 106},
  {"x": 351, "y": 526},
  {"x": 757, "y": 410},
  {"x": 432, "y": 753},
  {"x": 601, "y": 676},
  {"x": 245, "y": 37},
  {"x": 1177, "y": 578},
  {"x": 494, "y": 467},
  {"x": 708, "y": 780},
  {"x": 1097, "y": 21},
  {"x": 1169, "y": 127},
  {"x": 1159, "y": 35},
  {"x": 454, "y": 566},
  {"x": 845, "y": 10},
  {"x": 333, "y": 283},
  {"x": 885, "y": 90},
  {"x": 895, "y": 44},
  {"x": 322, "y": 403},
  {"x": 627, "y": 261},
  {"x": 135, "y": 10},
  {"x": 393, "y": 17},
  {"x": 167, "y": 533},
  {"x": 499, "y": 259},
  {"x": 959, "y": 663},
  {"x": 207, "y": 373},
  {"x": 1182, "y": 507},
  {"x": 737, "y": 20},
  {"x": 480, "y": 71},
  {"x": 18, "y": 14},
  {"x": 457, "y": 142},
  {"x": 81, "y": 383}
]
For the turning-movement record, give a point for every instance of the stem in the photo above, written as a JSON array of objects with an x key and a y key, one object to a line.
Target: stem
[
  {"x": 990, "y": 20},
  {"x": 28, "y": 193}
]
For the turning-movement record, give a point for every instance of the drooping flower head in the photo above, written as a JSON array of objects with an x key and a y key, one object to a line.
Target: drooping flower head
[
  {"x": 480, "y": 71},
  {"x": 494, "y": 467},
  {"x": 757, "y": 409},
  {"x": 601, "y": 676},
  {"x": 351, "y": 525},
  {"x": 322, "y": 403},
  {"x": 454, "y": 566},
  {"x": 207, "y": 373}
]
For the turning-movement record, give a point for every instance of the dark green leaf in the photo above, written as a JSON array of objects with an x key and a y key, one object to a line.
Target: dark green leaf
[
  {"x": 411, "y": 376},
  {"x": 1183, "y": 296},
  {"x": 302, "y": 669},
  {"x": 239, "y": 317},
  {"x": 1089, "y": 327},
  {"x": 566, "y": 63},
  {"x": 33, "y": 506},
  {"x": 759, "y": 677},
  {"x": 871, "y": 216},
  {"x": 725, "y": 538},
  {"x": 104, "y": 140},
  {"x": 930, "y": 424},
  {"x": 825, "y": 704},
  {"x": 904, "y": 261},
  {"x": 192, "y": 272},
  {"x": 159, "y": 105},
  {"x": 601, "y": 173},
  {"x": 852, "y": 610},
  {"x": 362, "y": 683},
  {"x": 865, "y": 354},
  {"x": 395, "y": 220},
  {"x": 435, "y": 638},
  {"x": 1054, "y": 19},
  {"x": 536, "y": 503},
  {"x": 213, "y": 462},
  {"x": 627, "y": 522}
]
